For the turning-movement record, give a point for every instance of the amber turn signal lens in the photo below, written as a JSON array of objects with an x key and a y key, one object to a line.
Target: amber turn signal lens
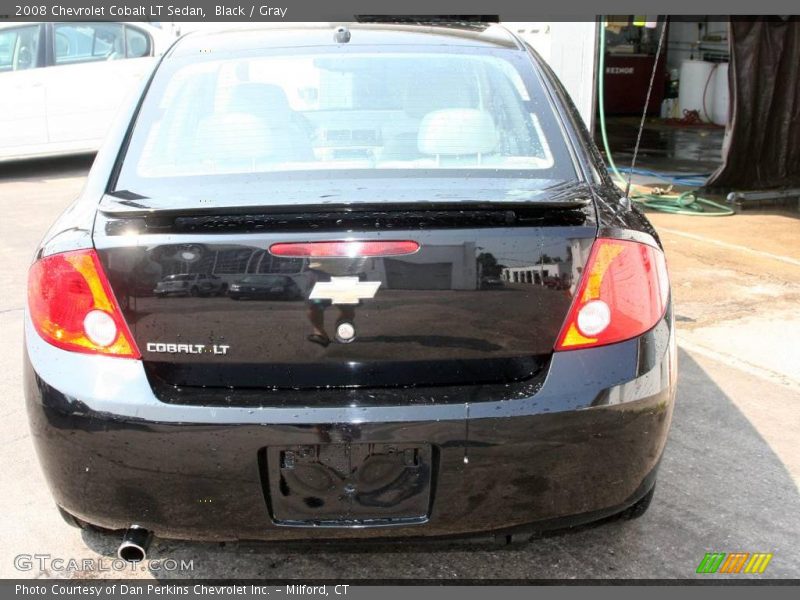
[
  {"x": 72, "y": 306},
  {"x": 623, "y": 294}
]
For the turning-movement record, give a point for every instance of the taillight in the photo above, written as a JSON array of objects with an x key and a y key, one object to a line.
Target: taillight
[
  {"x": 72, "y": 306},
  {"x": 623, "y": 293},
  {"x": 344, "y": 249}
]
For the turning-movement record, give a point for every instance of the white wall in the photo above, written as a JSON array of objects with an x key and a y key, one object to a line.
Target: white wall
[
  {"x": 570, "y": 50},
  {"x": 460, "y": 257}
]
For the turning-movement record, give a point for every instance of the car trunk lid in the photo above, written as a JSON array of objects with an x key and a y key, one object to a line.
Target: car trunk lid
[{"x": 481, "y": 298}]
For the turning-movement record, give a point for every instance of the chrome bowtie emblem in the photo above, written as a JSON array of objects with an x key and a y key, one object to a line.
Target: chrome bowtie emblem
[{"x": 344, "y": 290}]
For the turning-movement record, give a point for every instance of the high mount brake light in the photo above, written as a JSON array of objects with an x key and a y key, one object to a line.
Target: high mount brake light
[
  {"x": 622, "y": 294},
  {"x": 72, "y": 306},
  {"x": 344, "y": 249}
]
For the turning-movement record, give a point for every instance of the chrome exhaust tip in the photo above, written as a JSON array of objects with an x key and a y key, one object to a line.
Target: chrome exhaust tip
[{"x": 134, "y": 545}]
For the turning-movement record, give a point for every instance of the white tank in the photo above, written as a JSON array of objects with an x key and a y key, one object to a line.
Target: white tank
[
  {"x": 722, "y": 99},
  {"x": 693, "y": 79}
]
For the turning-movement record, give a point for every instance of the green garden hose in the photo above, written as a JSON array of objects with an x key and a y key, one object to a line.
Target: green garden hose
[{"x": 686, "y": 203}]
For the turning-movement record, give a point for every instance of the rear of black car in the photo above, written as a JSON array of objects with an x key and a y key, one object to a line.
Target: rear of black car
[{"x": 430, "y": 315}]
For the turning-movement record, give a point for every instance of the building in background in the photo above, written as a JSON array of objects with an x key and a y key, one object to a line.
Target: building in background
[{"x": 569, "y": 47}]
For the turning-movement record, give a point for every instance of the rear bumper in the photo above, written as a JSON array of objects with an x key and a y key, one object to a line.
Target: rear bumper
[{"x": 582, "y": 446}]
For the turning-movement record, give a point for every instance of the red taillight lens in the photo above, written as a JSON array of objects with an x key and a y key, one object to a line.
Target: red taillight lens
[
  {"x": 623, "y": 293},
  {"x": 72, "y": 306},
  {"x": 344, "y": 249}
]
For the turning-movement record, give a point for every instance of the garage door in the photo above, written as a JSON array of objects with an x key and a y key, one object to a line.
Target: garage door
[{"x": 402, "y": 275}]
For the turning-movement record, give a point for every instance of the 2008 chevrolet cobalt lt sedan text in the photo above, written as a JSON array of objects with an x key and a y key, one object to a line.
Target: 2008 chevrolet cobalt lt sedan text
[{"x": 432, "y": 314}]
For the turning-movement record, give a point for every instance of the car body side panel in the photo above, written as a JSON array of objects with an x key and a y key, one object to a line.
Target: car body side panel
[{"x": 22, "y": 92}]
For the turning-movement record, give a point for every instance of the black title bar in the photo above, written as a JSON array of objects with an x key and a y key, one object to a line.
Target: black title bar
[{"x": 346, "y": 10}]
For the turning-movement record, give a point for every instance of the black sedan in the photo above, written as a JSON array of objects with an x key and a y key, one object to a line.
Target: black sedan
[
  {"x": 196, "y": 284},
  {"x": 390, "y": 170},
  {"x": 266, "y": 287}
]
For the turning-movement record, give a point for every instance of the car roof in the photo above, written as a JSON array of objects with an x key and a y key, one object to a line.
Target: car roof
[
  {"x": 7, "y": 24},
  {"x": 297, "y": 35}
]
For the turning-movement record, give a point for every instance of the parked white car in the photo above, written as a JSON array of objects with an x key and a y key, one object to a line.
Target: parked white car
[{"x": 62, "y": 83}]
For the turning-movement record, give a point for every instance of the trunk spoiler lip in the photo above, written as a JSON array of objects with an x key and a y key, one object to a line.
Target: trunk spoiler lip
[{"x": 122, "y": 208}]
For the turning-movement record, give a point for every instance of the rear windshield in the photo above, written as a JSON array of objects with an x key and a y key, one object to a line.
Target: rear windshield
[{"x": 209, "y": 125}]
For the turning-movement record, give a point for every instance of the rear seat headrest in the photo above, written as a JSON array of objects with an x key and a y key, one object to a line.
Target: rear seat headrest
[
  {"x": 261, "y": 99},
  {"x": 457, "y": 131}
]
